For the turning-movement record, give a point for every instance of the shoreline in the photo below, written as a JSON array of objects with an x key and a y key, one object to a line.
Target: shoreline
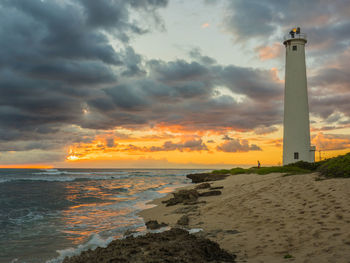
[
  {"x": 177, "y": 245},
  {"x": 270, "y": 218}
]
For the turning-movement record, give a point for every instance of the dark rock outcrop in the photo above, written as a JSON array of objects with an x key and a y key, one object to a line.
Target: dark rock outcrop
[
  {"x": 175, "y": 245},
  {"x": 203, "y": 186},
  {"x": 216, "y": 188},
  {"x": 183, "y": 196},
  {"x": 206, "y": 177},
  {"x": 153, "y": 224},
  {"x": 183, "y": 221}
]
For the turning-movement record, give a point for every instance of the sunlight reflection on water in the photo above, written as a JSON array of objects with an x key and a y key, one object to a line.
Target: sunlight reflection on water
[{"x": 43, "y": 212}]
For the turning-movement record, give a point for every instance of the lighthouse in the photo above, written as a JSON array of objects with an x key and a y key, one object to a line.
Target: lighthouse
[{"x": 296, "y": 126}]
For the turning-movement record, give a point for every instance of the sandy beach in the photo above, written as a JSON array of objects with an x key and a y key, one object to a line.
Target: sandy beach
[{"x": 271, "y": 218}]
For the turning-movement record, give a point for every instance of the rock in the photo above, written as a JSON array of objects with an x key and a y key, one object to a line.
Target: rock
[
  {"x": 195, "y": 203},
  {"x": 153, "y": 224},
  {"x": 183, "y": 221},
  {"x": 186, "y": 209},
  {"x": 233, "y": 232},
  {"x": 210, "y": 193},
  {"x": 206, "y": 177},
  {"x": 129, "y": 232},
  {"x": 216, "y": 188},
  {"x": 202, "y": 186},
  {"x": 175, "y": 245},
  {"x": 183, "y": 196}
]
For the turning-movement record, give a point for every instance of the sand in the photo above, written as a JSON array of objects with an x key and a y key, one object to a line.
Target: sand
[{"x": 265, "y": 218}]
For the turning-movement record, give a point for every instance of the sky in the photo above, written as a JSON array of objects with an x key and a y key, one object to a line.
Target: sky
[{"x": 165, "y": 83}]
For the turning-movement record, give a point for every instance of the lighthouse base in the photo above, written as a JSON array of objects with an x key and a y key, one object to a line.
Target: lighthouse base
[{"x": 296, "y": 155}]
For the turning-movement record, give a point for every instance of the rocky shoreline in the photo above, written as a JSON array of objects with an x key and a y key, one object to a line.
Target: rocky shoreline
[
  {"x": 174, "y": 245},
  {"x": 265, "y": 217},
  {"x": 250, "y": 218}
]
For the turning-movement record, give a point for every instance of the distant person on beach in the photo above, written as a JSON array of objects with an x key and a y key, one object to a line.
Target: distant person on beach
[{"x": 258, "y": 164}]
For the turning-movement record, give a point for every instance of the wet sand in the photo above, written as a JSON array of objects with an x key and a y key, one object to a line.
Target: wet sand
[{"x": 271, "y": 218}]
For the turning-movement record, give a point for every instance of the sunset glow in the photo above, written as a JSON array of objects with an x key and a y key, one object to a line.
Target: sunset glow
[
  {"x": 196, "y": 84},
  {"x": 26, "y": 166}
]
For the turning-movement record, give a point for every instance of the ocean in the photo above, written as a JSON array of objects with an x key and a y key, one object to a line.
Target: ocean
[{"x": 46, "y": 215}]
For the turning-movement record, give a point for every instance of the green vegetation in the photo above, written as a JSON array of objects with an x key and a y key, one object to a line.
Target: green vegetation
[
  {"x": 223, "y": 171},
  {"x": 288, "y": 256},
  {"x": 335, "y": 167},
  {"x": 238, "y": 170},
  {"x": 307, "y": 166},
  {"x": 290, "y": 169}
]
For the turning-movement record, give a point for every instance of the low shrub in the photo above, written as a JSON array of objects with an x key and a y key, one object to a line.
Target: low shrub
[
  {"x": 238, "y": 170},
  {"x": 223, "y": 171},
  {"x": 306, "y": 165},
  {"x": 279, "y": 169},
  {"x": 336, "y": 167}
]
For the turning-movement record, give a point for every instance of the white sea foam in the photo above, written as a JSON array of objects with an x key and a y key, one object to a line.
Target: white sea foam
[
  {"x": 51, "y": 172},
  {"x": 57, "y": 178},
  {"x": 194, "y": 230},
  {"x": 4, "y": 180},
  {"x": 129, "y": 199},
  {"x": 95, "y": 241}
]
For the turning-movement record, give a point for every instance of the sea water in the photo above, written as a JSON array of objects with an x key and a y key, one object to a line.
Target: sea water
[{"x": 46, "y": 215}]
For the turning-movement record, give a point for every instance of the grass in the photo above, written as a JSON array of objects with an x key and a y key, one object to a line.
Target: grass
[
  {"x": 264, "y": 170},
  {"x": 335, "y": 167},
  {"x": 287, "y": 256}
]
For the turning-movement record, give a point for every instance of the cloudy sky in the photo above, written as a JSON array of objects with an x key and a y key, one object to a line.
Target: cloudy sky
[{"x": 165, "y": 83}]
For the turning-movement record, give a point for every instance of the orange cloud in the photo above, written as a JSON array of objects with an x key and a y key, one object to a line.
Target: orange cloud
[
  {"x": 270, "y": 52},
  {"x": 205, "y": 25},
  {"x": 328, "y": 142},
  {"x": 236, "y": 145},
  {"x": 276, "y": 142}
]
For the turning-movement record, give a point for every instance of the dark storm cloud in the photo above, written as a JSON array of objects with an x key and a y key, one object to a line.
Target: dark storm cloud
[
  {"x": 331, "y": 89},
  {"x": 325, "y": 106},
  {"x": 59, "y": 73},
  {"x": 197, "y": 55},
  {"x": 176, "y": 71},
  {"x": 250, "y": 19},
  {"x": 190, "y": 94},
  {"x": 186, "y": 146},
  {"x": 54, "y": 56},
  {"x": 251, "y": 82},
  {"x": 47, "y": 30},
  {"x": 226, "y": 138},
  {"x": 191, "y": 145},
  {"x": 262, "y": 130},
  {"x": 110, "y": 142},
  {"x": 327, "y": 25},
  {"x": 236, "y": 145}
]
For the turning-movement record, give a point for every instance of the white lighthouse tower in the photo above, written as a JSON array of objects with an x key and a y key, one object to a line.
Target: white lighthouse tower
[{"x": 296, "y": 132}]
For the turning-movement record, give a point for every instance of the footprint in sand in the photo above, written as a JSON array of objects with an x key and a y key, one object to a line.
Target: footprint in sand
[
  {"x": 336, "y": 234},
  {"x": 339, "y": 216}
]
